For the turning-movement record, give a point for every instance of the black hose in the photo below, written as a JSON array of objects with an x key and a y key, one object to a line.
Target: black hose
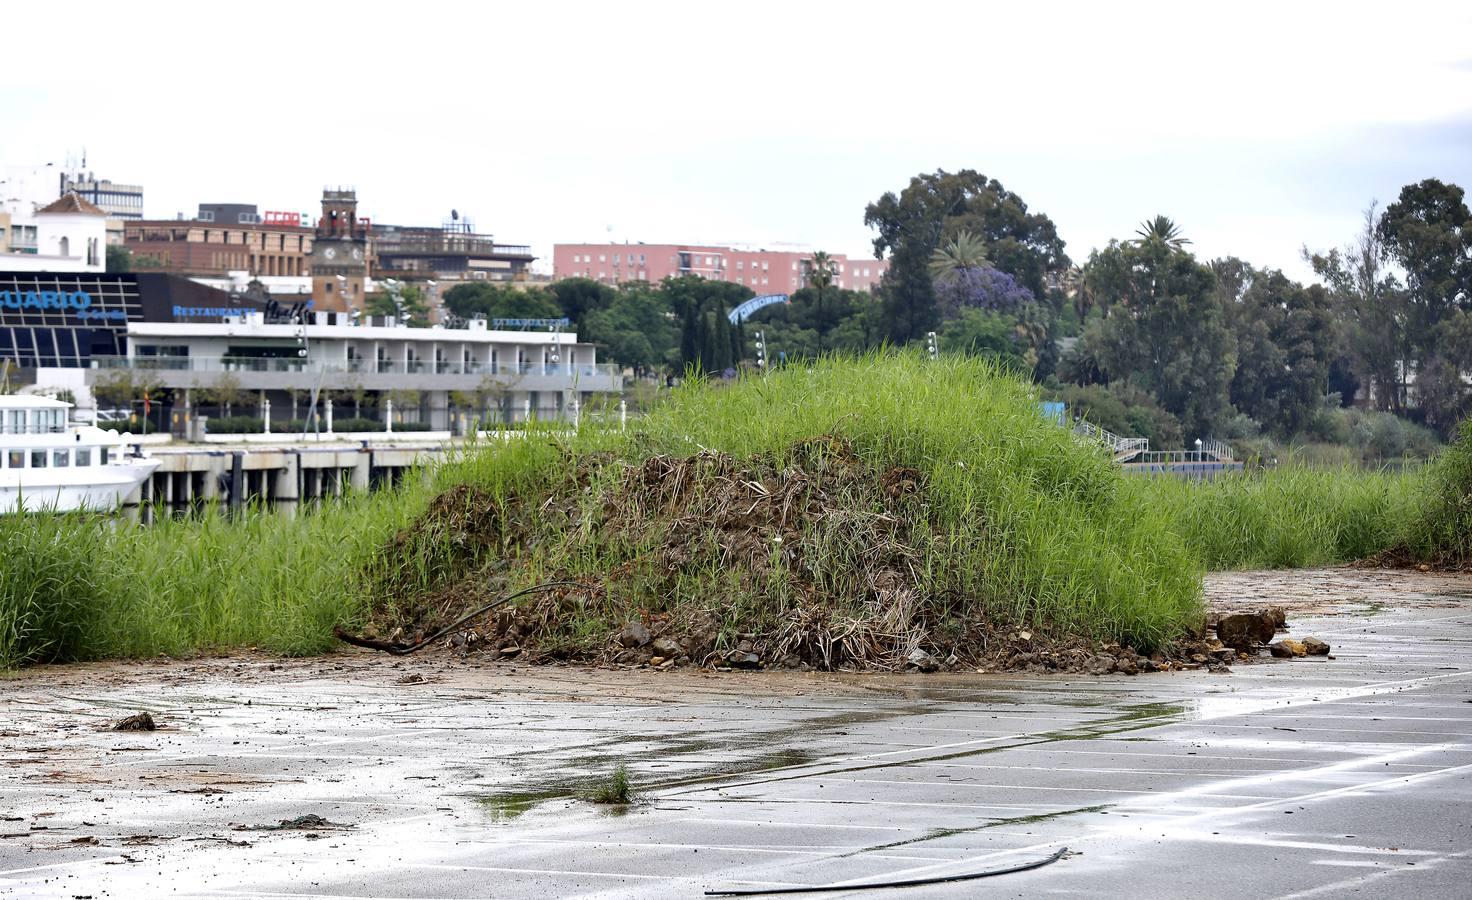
[
  {"x": 875, "y": 885},
  {"x": 405, "y": 649}
]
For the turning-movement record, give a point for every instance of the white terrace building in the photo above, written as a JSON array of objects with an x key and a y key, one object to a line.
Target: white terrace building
[{"x": 511, "y": 375}]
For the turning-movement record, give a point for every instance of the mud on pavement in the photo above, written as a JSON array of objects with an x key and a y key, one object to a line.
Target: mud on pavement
[{"x": 343, "y": 776}]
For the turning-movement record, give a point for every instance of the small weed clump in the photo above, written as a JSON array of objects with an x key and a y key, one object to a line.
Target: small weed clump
[{"x": 613, "y": 790}]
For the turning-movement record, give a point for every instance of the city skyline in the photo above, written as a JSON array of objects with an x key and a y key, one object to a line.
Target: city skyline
[{"x": 1258, "y": 133}]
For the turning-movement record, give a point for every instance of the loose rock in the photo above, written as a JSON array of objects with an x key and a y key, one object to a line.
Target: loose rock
[
  {"x": 1244, "y": 629},
  {"x": 634, "y": 635},
  {"x": 1287, "y": 648},
  {"x": 1315, "y": 647},
  {"x": 922, "y": 660},
  {"x": 667, "y": 647}
]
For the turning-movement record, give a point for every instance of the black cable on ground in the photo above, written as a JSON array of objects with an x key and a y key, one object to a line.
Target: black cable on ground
[
  {"x": 405, "y": 649},
  {"x": 875, "y": 885}
]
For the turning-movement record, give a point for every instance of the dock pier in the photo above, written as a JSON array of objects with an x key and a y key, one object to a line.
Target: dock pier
[{"x": 282, "y": 477}]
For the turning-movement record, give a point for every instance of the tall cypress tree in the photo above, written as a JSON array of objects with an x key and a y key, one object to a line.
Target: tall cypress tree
[{"x": 690, "y": 337}]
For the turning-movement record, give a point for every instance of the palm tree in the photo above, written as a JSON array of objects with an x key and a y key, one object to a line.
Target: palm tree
[
  {"x": 820, "y": 277},
  {"x": 1032, "y": 329},
  {"x": 1161, "y": 231},
  {"x": 965, "y": 251},
  {"x": 1077, "y": 288}
]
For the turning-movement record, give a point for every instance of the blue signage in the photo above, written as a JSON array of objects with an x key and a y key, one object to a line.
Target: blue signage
[
  {"x": 45, "y": 299},
  {"x": 745, "y": 310}
]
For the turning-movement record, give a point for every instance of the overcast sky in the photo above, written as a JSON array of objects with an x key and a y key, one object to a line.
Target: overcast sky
[{"x": 1259, "y": 127}]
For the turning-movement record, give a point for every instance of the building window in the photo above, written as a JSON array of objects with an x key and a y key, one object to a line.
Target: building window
[{"x": 603, "y": 258}]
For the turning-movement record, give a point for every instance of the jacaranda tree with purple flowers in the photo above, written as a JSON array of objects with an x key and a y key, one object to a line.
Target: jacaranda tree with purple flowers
[{"x": 979, "y": 288}]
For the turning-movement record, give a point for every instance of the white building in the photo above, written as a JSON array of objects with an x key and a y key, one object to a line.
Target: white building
[
  {"x": 492, "y": 375},
  {"x": 66, "y": 235}
]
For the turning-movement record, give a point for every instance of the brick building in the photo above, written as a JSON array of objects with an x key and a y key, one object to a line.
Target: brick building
[
  {"x": 764, "y": 271},
  {"x": 223, "y": 238}
]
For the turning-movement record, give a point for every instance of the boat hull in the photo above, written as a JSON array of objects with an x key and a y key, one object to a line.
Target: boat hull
[{"x": 95, "y": 488}]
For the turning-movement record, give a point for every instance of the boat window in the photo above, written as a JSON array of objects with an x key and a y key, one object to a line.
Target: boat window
[
  {"x": 61, "y": 458},
  {"x": 38, "y": 459},
  {"x": 17, "y": 459},
  {"x": 84, "y": 456},
  {"x": 102, "y": 456}
]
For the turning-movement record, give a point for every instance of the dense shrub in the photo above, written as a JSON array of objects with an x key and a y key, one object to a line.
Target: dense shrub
[{"x": 1127, "y": 411}]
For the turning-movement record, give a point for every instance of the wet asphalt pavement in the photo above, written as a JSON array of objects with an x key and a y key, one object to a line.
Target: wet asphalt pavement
[{"x": 1298, "y": 778}]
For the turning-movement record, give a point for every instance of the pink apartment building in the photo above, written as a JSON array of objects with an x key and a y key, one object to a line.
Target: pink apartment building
[{"x": 764, "y": 271}]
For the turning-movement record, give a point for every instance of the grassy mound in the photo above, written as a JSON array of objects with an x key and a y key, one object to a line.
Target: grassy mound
[{"x": 845, "y": 514}]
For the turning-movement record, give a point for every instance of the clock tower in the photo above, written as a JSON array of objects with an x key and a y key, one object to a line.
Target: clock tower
[{"x": 339, "y": 254}]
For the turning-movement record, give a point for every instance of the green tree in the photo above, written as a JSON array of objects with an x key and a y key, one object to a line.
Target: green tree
[
  {"x": 820, "y": 279},
  {"x": 1166, "y": 330},
  {"x": 636, "y": 329},
  {"x": 407, "y": 300},
  {"x": 580, "y": 297},
  {"x": 495, "y": 301},
  {"x": 1285, "y": 336},
  {"x": 936, "y": 207},
  {"x": 118, "y": 259},
  {"x": 985, "y": 333},
  {"x": 1372, "y": 311},
  {"x": 846, "y": 321},
  {"x": 1428, "y": 232}
]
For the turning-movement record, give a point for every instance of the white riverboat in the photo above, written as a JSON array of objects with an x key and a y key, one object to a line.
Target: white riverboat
[{"x": 46, "y": 464}]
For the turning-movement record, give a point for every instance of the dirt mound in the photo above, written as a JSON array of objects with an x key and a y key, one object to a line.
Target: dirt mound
[{"x": 807, "y": 558}]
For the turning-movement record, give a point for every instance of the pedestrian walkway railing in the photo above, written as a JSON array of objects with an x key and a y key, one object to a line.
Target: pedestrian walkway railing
[{"x": 1121, "y": 447}]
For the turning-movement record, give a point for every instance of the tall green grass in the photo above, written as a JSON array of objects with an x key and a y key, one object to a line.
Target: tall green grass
[
  {"x": 86, "y": 587},
  {"x": 1289, "y": 517},
  {"x": 1441, "y": 529}
]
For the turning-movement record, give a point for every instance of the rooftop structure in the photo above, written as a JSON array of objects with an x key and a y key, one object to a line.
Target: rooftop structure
[{"x": 454, "y": 251}]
